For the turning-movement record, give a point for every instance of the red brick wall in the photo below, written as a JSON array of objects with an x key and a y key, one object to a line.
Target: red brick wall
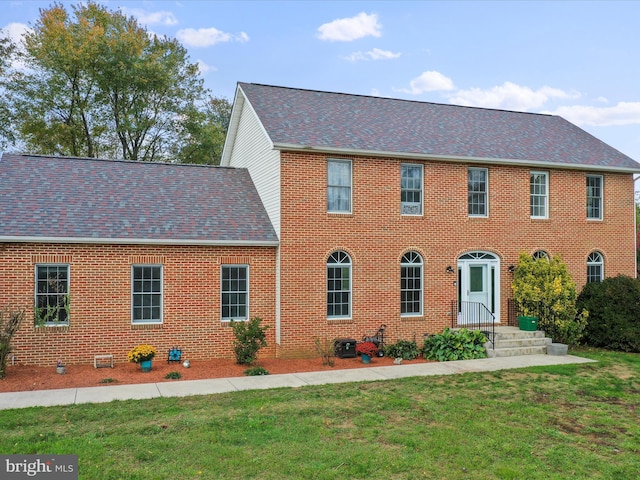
[
  {"x": 100, "y": 296},
  {"x": 376, "y": 236}
]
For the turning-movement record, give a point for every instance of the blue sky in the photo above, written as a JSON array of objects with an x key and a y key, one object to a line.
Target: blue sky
[{"x": 580, "y": 60}]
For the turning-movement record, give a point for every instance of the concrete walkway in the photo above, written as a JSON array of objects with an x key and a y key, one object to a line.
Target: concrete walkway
[{"x": 70, "y": 396}]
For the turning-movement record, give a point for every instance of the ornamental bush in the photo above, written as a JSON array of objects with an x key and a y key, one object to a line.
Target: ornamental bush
[
  {"x": 405, "y": 349},
  {"x": 614, "y": 310},
  {"x": 544, "y": 288},
  {"x": 250, "y": 337},
  {"x": 460, "y": 344},
  {"x": 10, "y": 320}
]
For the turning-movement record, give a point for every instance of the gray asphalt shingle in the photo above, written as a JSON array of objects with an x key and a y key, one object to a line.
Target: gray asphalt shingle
[
  {"x": 326, "y": 120},
  {"x": 80, "y": 198}
]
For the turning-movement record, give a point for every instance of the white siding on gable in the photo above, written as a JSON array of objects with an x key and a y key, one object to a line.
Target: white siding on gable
[{"x": 253, "y": 150}]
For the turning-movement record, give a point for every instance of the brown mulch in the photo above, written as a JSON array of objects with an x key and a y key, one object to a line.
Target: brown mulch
[{"x": 28, "y": 377}]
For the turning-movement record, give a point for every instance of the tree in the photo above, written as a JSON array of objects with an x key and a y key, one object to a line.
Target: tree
[
  {"x": 100, "y": 85},
  {"x": 544, "y": 288},
  {"x": 7, "y": 53}
]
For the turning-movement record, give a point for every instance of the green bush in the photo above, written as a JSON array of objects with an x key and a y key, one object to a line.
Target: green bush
[
  {"x": 405, "y": 349},
  {"x": 256, "y": 371},
  {"x": 544, "y": 288},
  {"x": 10, "y": 320},
  {"x": 173, "y": 376},
  {"x": 614, "y": 310},
  {"x": 250, "y": 337},
  {"x": 460, "y": 344}
]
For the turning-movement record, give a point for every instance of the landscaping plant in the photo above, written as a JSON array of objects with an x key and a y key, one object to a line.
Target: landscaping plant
[
  {"x": 614, "y": 310},
  {"x": 405, "y": 349},
  {"x": 544, "y": 288},
  {"x": 9, "y": 322},
  {"x": 256, "y": 371},
  {"x": 460, "y": 344},
  {"x": 250, "y": 337}
]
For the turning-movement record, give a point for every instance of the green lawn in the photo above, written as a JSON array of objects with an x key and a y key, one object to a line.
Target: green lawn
[{"x": 572, "y": 421}]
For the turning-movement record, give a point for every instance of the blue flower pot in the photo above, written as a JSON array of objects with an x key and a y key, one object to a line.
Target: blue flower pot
[
  {"x": 145, "y": 365},
  {"x": 365, "y": 358}
]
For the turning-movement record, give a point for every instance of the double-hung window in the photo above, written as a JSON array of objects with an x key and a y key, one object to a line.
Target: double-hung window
[
  {"x": 235, "y": 292},
  {"x": 477, "y": 192},
  {"x": 411, "y": 189},
  {"x": 594, "y": 197},
  {"x": 146, "y": 294},
  {"x": 411, "y": 284},
  {"x": 539, "y": 194},
  {"x": 52, "y": 294},
  {"x": 339, "y": 285},
  {"x": 339, "y": 186}
]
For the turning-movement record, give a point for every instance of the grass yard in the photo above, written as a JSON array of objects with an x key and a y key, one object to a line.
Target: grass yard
[{"x": 572, "y": 421}]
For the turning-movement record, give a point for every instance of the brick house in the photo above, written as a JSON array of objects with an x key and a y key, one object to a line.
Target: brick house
[
  {"x": 104, "y": 255},
  {"x": 406, "y": 213},
  {"x": 330, "y": 215}
]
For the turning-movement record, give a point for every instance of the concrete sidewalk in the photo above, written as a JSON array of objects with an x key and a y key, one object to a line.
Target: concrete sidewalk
[{"x": 70, "y": 396}]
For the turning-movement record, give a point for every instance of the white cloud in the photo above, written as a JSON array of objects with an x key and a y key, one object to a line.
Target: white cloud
[
  {"x": 206, "y": 37},
  {"x": 374, "y": 54},
  {"x": 15, "y": 31},
  {"x": 204, "y": 68},
  {"x": 509, "y": 96},
  {"x": 348, "y": 29},
  {"x": 624, "y": 113},
  {"x": 151, "y": 18},
  {"x": 430, "y": 81}
]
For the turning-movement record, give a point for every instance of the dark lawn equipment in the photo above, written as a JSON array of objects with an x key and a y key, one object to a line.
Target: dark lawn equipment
[{"x": 377, "y": 339}]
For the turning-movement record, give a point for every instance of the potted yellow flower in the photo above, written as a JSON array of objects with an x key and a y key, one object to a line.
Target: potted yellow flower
[{"x": 143, "y": 354}]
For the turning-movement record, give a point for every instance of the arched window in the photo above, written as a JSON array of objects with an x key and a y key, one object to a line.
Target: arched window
[
  {"x": 540, "y": 254},
  {"x": 411, "y": 284},
  {"x": 595, "y": 267},
  {"x": 339, "y": 285}
]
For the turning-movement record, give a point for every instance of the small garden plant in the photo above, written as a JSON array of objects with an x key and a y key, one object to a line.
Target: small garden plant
[
  {"x": 326, "y": 349},
  {"x": 250, "y": 338},
  {"x": 173, "y": 376},
  {"x": 366, "y": 348},
  {"x": 460, "y": 344},
  {"x": 10, "y": 321},
  {"x": 142, "y": 353},
  {"x": 405, "y": 349},
  {"x": 256, "y": 371}
]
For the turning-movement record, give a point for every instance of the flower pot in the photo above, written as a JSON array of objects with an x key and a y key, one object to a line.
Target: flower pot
[
  {"x": 366, "y": 358},
  {"x": 145, "y": 365},
  {"x": 61, "y": 370},
  {"x": 529, "y": 324}
]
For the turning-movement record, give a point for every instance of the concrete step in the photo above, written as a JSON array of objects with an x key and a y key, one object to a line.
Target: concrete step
[
  {"x": 522, "y": 342},
  {"x": 515, "y": 352}
]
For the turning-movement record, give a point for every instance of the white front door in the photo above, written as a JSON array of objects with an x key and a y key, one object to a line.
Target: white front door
[{"x": 478, "y": 284}]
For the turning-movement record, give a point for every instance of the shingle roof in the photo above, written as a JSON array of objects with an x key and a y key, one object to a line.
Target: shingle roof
[
  {"x": 338, "y": 121},
  {"x": 74, "y": 199}
]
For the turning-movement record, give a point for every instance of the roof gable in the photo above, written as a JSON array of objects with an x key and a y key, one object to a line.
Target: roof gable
[
  {"x": 77, "y": 199},
  {"x": 328, "y": 121}
]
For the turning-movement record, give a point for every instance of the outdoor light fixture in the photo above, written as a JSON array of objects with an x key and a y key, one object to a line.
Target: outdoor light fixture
[
  {"x": 512, "y": 268},
  {"x": 449, "y": 269}
]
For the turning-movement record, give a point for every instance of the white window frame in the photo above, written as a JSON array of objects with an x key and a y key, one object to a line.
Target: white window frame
[
  {"x": 413, "y": 260},
  {"x": 478, "y": 193},
  {"x": 331, "y": 187},
  {"x": 595, "y": 259},
  {"x": 536, "y": 195},
  {"x": 339, "y": 260},
  {"x": 153, "y": 293},
  {"x": 599, "y": 198},
  {"x": 540, "y": 254},
  {"x": 411, "y": 208},
  {"x": 246, "y": 292},
  {"x": 62, "y": 304}
]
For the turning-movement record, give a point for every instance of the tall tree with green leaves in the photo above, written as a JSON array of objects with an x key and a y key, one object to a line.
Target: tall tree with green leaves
[
  {"x": 99, "y": 84},
  {"x": 7, "y": 53}
]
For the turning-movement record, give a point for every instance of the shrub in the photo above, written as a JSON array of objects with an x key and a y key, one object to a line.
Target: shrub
[
  {"x": 250, "y": 337},
  {"x": 544, "y": 288},
  {"x": 9, "y": 322},
  {"x": 256, "y": 371},
  {"x": 460, "y": 344},
  {"x": 614, "y": 310},
  {"x": 405, "y": 349},
  {"x": 173, "y": 375}
]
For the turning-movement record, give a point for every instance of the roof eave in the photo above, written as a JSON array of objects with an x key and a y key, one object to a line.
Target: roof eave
[
  {"x": 447, "y": 158},
  {"x": 140, "y": 241}
]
